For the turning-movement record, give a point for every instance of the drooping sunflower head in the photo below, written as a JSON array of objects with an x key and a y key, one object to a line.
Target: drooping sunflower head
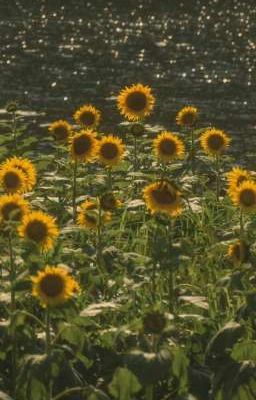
[
  {"x": 110, "y": 150},
  {"x": 53, "y": 286},
  {"x": 109, "y": 202},
  {"x": 87, "y": 116},
  {"x": 187, "y": 116},
  {"x": 239, "y": 252},
  {"x": 39, "y": 228},
  {"x": 136, "y": 102},
  {"x": 83, "y": 146},
  {"x": 163, "y": 197},
  {"x": 12, "y": 208},
  {"x": 12, "y": 179},
  {"x": 27, "y": 168},
  {"x": 61, "y": 130},
  {"x": 245, "y": 196},
  {"x": 88, "y": 216},
  {"x": 235, "y": 177},
  {"x": 168, "y": 147},
  {"x": 214, "y": 141}
]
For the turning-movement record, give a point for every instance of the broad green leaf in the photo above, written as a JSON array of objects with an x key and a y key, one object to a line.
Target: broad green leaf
[{"x": 124, "y": 384}]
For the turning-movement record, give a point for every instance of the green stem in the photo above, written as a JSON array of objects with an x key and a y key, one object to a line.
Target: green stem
[
  {"x": 135, "y": 163},
  {"x": 154, "y": 282},
  {"x": 110, "y": 184},
  {"x": 171, "y": 290},
  {"x": 14, "y": 130},
  {"x": 192, "y": 151},
  {"x": 241, "y": 220},
  {"x": 149, "y": 392},
  {"x": 13, "y": 309},
  {"x": 99, "y": 238},
  {"x": 74, "y": 191},
  {"x": 217, "y": 177},
  {"x": 48, "y": 346}
]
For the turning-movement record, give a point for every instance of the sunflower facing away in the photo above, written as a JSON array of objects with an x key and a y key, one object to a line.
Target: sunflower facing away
[
  {"x": 238, "y": 252},
  {"x": 136, "y": 102},
  {"x": 109, "y": 202},
  {"x": 88, "y": 216},
  {"x": 12, "y": 179},
  {"x": 110, "y": 150},
  {"x": 83, "y": 146},
  {"x": 53, "y": 286},
  {"x": 25, "y": 166},
  {"x": 168, "y": 147},
  {"x": 235, "y": 177},
  {"x": 61, "y": 130},
  {"x": 187, "y": 116},
  {"x": 163, "y": 197},
  {"x": 12, "y": 207},
  {"x": 245, "y": 196},
  {"x": 214, "y": 141},
  {"x": 40, "y": 228},
  {"x": 87, "y": 116}
]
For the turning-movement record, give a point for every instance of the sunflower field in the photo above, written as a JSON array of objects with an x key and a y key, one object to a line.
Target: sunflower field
[{"x": 127, "y": 259}]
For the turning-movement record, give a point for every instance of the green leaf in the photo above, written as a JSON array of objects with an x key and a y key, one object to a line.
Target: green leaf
[
  {"x": 124, "y": 384},
  {"x": 245, "y": 351},
  {"x": 180, "y": 368}
]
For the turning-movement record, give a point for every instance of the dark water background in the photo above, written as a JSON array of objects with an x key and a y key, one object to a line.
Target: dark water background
[{"x": 57, "y": 55}]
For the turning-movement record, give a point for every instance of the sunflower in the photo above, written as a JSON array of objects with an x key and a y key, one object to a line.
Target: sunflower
[
  {"x": 88, "y": 216},
  {"x": 61, "y": 130},
  {"x": 83, "y": 146},
  {"x": 187, "y": 116},
  {"x": 245, "y": 196},
  {"x": 87, "y": 116},
  {"x": 12, "y": 207},
  {"x": 136, "y": 102},
  {"x": 238, "y": 252},
  {"x": 40, "y": 228},
  {"x": 163, "y": 197},
  {"x": 235, "y": 177},
  {"x": 110, "y": 150},
  {"x": 53, "y": 286},
  {"x": 214, "y": 141},
  {"x": 109, "y": 202},
  {"x": 27, "y": 167},
  {"x": 12, "y": 179},
  {"x": 168, "y": 147}
]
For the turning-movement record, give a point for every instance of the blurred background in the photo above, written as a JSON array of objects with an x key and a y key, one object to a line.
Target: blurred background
[{"x": 58, "y": 55}]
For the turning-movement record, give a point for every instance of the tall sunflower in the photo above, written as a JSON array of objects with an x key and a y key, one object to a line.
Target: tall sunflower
[
  {"x": 136, "y": 102},
  {"x": 110, "y": 150},
  {"x": 168, "y": 147},
  {"x": 187, "y": 116},
  {"x": 53, "y": 286},
  {"x": 163, "y": 197},
  {"x": 12, "y": 179},
  {"x": 12, "y": 207},
  {"x": 87, "y": 116},
  {"x": 83, "y": 146},
  {"x": 40, "y": 228},
  {"x": 214, "y": 141},
  {"x": 61, "y": 130},
  {"x": 88, "y": 216},
  {"x": 25, "y": 166},
  {"x": 238, "y": 252},
  {"x": 245, "y": 196},
  {"x": 235, "y": 177}
]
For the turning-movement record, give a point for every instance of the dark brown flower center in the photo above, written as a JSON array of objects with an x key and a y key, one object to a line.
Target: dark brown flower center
[
  {"x": 109, "y": 150},
  {"x": 82, "y": 145},
  {"x": 215, "y": 142},
  {"x": 11, "y": 211},
  {"x": 248, "y": 198},
  {"x": 37, "y": 231},
  {"x": 237, "y": 251},
  {"x": 90, "y": 217},
  {"x": 52, "y": 285},
  {"x": 188, "y": 118},
  {"x": 61, "y": 132},
  {"x": 108, "y": 202},
  {"x": 167, "y": 147},
  {"x": 12, "y": 180},
  {"x": 136, "y": 101},
  {"x": 87, "y": 118},
  {"x": 164, "y": 196}
]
